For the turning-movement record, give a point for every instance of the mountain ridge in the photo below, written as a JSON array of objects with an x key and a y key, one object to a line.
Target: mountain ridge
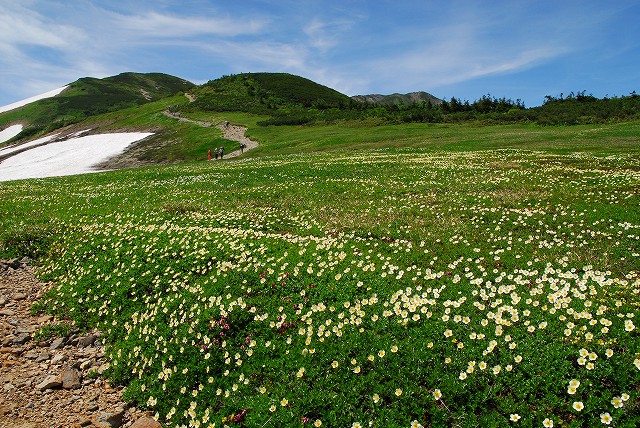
[{"x": 398, "y": 99}]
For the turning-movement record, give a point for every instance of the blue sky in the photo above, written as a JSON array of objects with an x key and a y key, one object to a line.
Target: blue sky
[{"x": 514, "y": 49}]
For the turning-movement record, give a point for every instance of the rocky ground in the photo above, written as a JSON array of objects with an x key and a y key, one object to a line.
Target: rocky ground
[{"x": 53, "y": 382}]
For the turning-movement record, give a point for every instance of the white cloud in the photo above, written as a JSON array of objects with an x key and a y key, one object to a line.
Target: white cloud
[
  {"x": 158, "y": 25},
  {"x": 324, "y": 35}
]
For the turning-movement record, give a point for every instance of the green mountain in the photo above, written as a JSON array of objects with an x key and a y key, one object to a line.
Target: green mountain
[
  {"x": 264, "y": 93},
  {"x": 398, "y": 99},
  {"x": 89, "y": 97}
]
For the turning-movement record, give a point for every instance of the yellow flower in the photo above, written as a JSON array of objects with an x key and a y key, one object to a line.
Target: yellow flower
[
  {"x": 381, "y": 353},
  {"x": 547, "y": 423},
  {"x": 606, "y": 418},
  {"x": 376, "y": 398},
  {"x": 437, "y": 394},
  {"x": 284, "y": 402},
  {"x": 317, "y": 423},
  {"x": 578, "y": 406},
  {"x": 394, "y": 349},
  {"x": 334, "y": 364},
  {"x": 514, "y": 417},
  {"x": 398, "y": 392},
  {"x": 272, "y": 408}
]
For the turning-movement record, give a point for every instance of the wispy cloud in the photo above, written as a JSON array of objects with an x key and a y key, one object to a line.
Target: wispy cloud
[
  {"x": 162, "y": 26},
  {"x": 324, "y": 35}
]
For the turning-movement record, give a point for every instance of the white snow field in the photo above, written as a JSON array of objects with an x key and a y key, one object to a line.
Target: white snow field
[
  {"x": 10, "y": 132},
  {"x": 39, "y": 141},
  {"x": 68, "y": 157},
  {"x": 26, "y": 101}
]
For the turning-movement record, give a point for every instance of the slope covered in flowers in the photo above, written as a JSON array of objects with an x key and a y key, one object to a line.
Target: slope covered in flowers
[{"x": 383, "y": 288}]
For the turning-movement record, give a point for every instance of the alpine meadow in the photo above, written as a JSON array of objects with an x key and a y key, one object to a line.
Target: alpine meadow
[{"x": 418, "y": 264}]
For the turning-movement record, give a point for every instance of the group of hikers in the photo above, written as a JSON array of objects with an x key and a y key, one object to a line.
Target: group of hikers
[{"x": 218, "y": 151}]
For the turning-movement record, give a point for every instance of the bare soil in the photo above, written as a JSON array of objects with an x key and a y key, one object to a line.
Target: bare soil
[{"x": 52, "y": 382}]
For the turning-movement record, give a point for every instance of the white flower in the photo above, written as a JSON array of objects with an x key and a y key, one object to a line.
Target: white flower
[{"x": 606, "y": 418}]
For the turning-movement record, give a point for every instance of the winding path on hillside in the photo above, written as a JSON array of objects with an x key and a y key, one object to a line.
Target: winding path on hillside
[{"x": 229, "y": 131}]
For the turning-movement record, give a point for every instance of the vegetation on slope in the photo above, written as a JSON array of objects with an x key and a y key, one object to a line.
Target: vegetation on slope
[
  {"x": 89, "y": 97},
  {"x": 264, "y": 93},
  {"x": 400, "y": 287}
]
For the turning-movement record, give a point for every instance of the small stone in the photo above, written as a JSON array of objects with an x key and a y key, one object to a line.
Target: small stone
[
  {"x": 21, "y": 339},
  {"x": 50, "y": 382},
  {"x": 70, "y": 379},
  {"x": 146, "y": 422},
  {"x": 7, "y": 312},
  {"x": 58, "y": 358},
  {"x": 44, "y": 356},
  {"x": 92, "y": 407},
  {"x": 57, "y": 343},
  {"x": 23, "y": 329},
  {"x": 31, "y": 355},
  {"x": 109, "y": 420},
  {"x": 85, "y": 341},
  {"x": 19, "y": 296}
]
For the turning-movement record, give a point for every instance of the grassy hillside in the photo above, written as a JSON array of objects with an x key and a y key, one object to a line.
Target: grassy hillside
[
  {"x": 265, "y": 93},
  {"x": 417, "y": 286},
  {"x": 89, "y": 97}
]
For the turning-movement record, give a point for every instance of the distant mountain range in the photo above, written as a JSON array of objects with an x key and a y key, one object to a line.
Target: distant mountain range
[{"x": 398, "y": 99}]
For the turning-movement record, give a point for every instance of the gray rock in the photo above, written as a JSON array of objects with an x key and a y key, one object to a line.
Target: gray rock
[
  {"x": 70, "y": 379},
  {"x": 50, "y": 382},
  {"x": 58, "y": 358},
  {"x": 43, "y": 356},
  {"x": 20, "y": 329},
  {"x": 7, "y": 312},
  {"x": 85, "y": 341},
  {"x": 57, "y": 343},
  {"x": 21, "y": 339},
  {"x": 109, "y": 420}
]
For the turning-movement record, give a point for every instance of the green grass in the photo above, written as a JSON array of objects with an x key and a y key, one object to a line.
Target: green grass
[
  {"x": 440, "y": 276},
  {"x": 617, "y": 137}
]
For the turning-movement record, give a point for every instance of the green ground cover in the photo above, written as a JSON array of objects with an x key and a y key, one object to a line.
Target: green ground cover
[{"x": 416, "y": 284}]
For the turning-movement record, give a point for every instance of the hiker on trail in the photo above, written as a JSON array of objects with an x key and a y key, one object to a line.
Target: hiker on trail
[
  {"x": 241, "y": 148},
  {"x": 221, "y": 152},
  {"x": 216, "y": 153},
  {"x": 226, "y": 123},
  {"x": 209, "y": 154}
]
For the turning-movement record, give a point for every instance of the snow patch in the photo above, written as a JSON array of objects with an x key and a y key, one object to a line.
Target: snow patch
[
  {"x": 38, "y": 142},
  {"x": 26, "y": 101},
  {"x": 10, "y": 132},
  {"x": 68, "y": 157}
]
